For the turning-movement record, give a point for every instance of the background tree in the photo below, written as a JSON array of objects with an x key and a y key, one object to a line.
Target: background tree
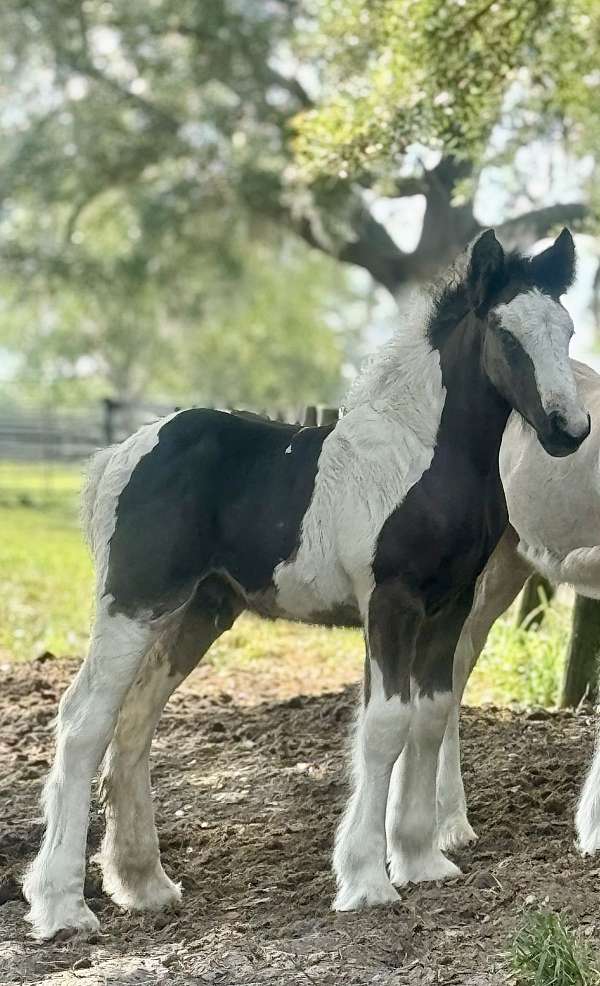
[{"x": 147, "y": 148}]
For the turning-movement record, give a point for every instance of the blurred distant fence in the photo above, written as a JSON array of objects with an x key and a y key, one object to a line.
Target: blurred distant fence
[{"x": 42, "y": 452}]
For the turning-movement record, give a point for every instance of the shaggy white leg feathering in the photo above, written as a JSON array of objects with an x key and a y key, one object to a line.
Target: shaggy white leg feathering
[
  {"x": 414, "y": 856},
  {"x": 53, "y": 884},
  {"x": 587, "y": 819},
  {"x": 360, "y": 849},
  {"x": 130, "y": 855},
  {"x": 453, "y": 828}
]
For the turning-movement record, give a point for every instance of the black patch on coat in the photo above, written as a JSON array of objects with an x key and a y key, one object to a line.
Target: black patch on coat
[
  {"x": 395, "y": 617},
  {"x": 217, "y": 493},
  {"x": 453, "y": 301}
]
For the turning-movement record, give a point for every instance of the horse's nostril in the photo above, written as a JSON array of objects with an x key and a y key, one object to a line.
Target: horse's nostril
[
  {"x": 558, "y": 422},
  {"x": 560, "y": 428}
]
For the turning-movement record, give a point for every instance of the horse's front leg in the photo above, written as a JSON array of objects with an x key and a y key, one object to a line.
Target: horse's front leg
[
  {"x": 414, "y": 855},
  {"x": 359, "y": 859}
]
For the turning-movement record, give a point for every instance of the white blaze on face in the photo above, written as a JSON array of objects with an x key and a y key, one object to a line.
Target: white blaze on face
[{"x": 544, "y": 329}]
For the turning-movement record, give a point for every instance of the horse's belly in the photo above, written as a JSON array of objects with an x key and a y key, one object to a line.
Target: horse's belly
[{"x": 310, "y": 588}]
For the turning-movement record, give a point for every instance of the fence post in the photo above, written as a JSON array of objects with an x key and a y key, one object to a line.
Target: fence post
[
  {"x": 583, "y": 654},
  {"x": 108, "y": 422},
  {"x": 328, "y": 415},
  {"x": 310, "y": 416},
  {"x": 534, "y": 591}
]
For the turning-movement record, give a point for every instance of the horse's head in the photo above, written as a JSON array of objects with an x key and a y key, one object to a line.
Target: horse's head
[{"x": 526, "y": 336}]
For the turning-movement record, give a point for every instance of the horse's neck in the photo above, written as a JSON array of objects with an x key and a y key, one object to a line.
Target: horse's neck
[
  {"x": 437, "y": 390},
  {"x": 475, "y": 414}
]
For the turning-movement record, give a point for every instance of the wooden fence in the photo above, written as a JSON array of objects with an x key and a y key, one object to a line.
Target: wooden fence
[{"x": 36, "y": 436}]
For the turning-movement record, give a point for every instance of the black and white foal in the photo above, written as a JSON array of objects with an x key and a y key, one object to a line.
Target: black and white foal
[{"x": 385, "y": 519}]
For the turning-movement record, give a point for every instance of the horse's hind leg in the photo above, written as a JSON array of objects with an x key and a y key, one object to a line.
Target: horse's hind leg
[
  {"x": 130, "y": 855},
  {"x": 86, "y": 719}
]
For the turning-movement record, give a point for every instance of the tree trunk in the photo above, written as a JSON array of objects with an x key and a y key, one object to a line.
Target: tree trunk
[
  {"x": 536, "y": 591},
  {"x": 581, "y": 668}
]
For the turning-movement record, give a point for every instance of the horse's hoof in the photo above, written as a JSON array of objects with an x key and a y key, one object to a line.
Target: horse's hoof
[
  {"x": 357, "y": 895},
  {"x": 455, "y": 833},
  {"x": 429, "y": 866}
]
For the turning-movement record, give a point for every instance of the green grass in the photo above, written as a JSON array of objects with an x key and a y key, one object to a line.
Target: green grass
[
  {"x": 522, "y": 666},
  {"x": 40, "y": 485},
  {"x": 46, "y": 593},
  {"x": 546, "y": 952},
  {"x": 253, "y": 640},
  {"x": 45, "y": 583}
]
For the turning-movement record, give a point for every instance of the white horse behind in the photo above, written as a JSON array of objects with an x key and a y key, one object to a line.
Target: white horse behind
[{"x": 554, "y": 511}]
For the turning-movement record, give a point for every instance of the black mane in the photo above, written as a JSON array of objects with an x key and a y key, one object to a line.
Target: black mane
[{"x": 451, "y": 295}]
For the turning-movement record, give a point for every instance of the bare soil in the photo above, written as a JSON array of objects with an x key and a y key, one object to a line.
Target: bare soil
[{"x": 247, "y": 801}]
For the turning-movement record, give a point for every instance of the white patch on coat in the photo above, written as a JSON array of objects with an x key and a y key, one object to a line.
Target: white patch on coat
[
  {"x": 496, "y": 588},
  {"x": 544, "y": 329},
  {"x": 376, "y": 453},
  {"x": 108, "y": 474},
  {"x": 453, "y": 827},
  {"x": 360, "y": 847}
]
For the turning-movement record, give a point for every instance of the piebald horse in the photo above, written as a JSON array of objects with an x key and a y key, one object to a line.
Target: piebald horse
[
  {"x": 384, "y": 519},
  {"x": 554, "y": 511}
]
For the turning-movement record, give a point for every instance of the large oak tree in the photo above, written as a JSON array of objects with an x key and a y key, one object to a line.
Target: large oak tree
[{"x": 156, "y": 140}]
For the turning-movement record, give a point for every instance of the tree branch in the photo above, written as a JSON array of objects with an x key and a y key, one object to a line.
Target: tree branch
[
  {"x": 291, "y": 85},
  {"x": 371, "y": 248},
  {"x": 522, "y": 231},
  {"x": 404, "y": 187}
]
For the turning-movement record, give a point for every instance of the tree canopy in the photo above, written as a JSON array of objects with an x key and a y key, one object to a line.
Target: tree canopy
[
  {"x": 400, "y": 73},
  {"x": 141, "y": 198}
]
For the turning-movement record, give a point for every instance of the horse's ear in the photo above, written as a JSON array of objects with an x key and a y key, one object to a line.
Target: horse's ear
[
  {"x": 486, "y": 266},
  {"x": 554, "y": 269}
]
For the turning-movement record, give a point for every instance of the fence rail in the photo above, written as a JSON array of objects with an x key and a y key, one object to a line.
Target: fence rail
[{"x": 37, "y": 447}]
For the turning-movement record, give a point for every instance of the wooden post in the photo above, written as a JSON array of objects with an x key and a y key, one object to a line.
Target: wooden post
[
  {"x": 328, "y": 415},
  {"x": 110, "y": 407},
  {"x": 583, "y": 654},
  {"x": 535, "y": 591},
  {"x": 310, "y": 416}
]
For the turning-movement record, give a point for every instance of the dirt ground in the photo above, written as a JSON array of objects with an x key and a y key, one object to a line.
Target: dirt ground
[{"x": 247, "y": 801}]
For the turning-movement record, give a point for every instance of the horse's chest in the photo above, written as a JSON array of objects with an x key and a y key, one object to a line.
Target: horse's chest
[{"x": 440, "y": 537}]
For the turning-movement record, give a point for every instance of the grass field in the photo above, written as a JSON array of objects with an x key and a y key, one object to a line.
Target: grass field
[{"x": 46, "y": 592}]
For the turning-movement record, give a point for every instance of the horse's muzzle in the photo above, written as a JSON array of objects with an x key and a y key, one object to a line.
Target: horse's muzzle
[{"x": 559, "y": 439}]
